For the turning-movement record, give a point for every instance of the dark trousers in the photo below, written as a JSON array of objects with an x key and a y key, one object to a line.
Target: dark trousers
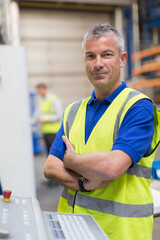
[{"x": 49, "y": 139}]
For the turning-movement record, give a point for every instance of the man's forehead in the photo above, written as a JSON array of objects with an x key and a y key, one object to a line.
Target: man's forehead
[{"x": 102, "y": 43}]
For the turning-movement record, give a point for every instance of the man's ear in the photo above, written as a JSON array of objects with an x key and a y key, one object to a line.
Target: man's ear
[{"x": 123, "y": 59}]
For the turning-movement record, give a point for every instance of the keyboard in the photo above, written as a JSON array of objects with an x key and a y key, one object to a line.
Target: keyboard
[{"x": 72, "y": 227}]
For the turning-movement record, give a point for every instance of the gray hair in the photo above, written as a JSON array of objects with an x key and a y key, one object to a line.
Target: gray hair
[{"x": 99, "y": 30}]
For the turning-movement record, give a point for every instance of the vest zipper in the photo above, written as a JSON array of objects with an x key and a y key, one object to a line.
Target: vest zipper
[{"x": 74, "y": 200}]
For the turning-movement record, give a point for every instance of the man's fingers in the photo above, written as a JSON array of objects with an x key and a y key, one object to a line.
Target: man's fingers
[
  {"x": 68, "y": 144},
  {"x": 65, "y": 139}
]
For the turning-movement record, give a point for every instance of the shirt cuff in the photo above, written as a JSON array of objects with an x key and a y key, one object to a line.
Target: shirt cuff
[
  {"x": 129, "y": 150},
  {"x": 56, "y": 153}
]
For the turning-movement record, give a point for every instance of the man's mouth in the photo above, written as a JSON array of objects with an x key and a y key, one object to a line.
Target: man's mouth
[{"x": 100, "y": 72}]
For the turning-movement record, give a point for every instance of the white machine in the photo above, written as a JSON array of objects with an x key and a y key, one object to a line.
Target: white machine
[
  {"x": 156, "y": 201},
  {"x": 16, "y": 154},
  {"x": 21, "y": 219}
]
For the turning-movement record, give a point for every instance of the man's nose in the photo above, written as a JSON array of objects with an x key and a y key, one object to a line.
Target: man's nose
[{"x": 98, "y": 62}]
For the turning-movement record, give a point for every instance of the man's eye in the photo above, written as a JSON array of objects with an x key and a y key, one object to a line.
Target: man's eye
[
  {"x": 106, "y": 54},
  {"x": 90, "y": 56}
]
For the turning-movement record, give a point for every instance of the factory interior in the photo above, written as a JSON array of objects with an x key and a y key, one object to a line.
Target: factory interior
[{"x": 41, "y": 42}]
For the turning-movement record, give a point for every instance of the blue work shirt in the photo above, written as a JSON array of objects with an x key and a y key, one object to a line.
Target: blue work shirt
[{"x": 135, "y": 133}]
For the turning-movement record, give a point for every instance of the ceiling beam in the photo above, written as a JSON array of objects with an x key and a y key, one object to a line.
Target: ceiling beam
[{"x": 86, "y": 2}]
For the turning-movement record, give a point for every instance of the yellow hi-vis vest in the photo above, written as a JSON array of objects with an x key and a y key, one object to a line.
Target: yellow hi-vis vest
[
  {"x": 124, "y": 208},
  {"x": 46, "y": 107}
]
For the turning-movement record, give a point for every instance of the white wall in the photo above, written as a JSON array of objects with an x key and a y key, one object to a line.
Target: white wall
[{"x": 54, "y": 54}]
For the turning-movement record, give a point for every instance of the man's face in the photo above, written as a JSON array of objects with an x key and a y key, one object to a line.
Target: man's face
[
  {"x": 42, "y": 91},
  {"x": 103, "y": 63}
]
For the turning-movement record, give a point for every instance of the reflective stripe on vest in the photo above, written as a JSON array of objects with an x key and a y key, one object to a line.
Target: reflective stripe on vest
[
  {"x": 116, "y": 128},
  {"x": 137, "y": 170},
  {"x": 110, "y": 207},
  {"x": 71, "y": 116}
]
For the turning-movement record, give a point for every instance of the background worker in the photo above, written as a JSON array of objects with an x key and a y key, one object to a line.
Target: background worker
[
  {"x": 110, "y": 140},
  {"x": 49, "y": 114}
]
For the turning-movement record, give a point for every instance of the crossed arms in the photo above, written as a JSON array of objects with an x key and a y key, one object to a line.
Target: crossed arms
[{"x": 98, "y": 168}]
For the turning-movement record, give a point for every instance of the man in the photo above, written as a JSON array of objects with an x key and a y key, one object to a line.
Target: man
[
  {"x": 104, "y": 149},
  {"x": 49, "y": 114}
]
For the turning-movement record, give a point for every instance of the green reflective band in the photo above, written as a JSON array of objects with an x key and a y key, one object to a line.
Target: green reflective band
[
  {"x": 71, "y": 116},
  {"x": 114, "y": 208}
]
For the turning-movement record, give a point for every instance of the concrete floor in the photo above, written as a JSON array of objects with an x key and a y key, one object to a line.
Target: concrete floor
[{"x": 48, "y": 197}]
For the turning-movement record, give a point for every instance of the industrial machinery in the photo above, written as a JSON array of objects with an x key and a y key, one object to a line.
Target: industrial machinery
[{"x": 21, "y": 219}]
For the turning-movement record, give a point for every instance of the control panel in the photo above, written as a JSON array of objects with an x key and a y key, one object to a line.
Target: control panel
[{"x": 20, "y": 218}]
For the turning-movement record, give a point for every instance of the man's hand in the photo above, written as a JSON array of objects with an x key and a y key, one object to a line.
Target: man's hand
[
  {"x": 69, "y": 151},
  {"x": 69, "y": 146},
  {"x": 92, "y": 185}
]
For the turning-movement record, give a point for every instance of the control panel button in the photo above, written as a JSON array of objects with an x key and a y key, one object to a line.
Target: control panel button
[{"x": 6, "y": 195}]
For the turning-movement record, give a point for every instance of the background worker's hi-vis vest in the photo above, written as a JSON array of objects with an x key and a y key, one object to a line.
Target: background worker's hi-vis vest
[
  {"x": 46, "y": 107},
  {"x": 124, "y": 209}
]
